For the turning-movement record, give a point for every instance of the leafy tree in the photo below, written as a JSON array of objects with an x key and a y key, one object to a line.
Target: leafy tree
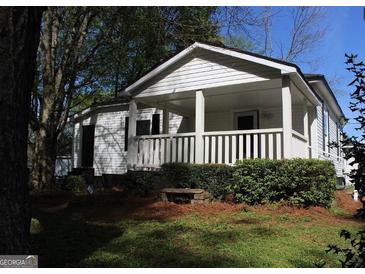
[
  {"x": 357, "y": 105},
  {"x": 19, "y": 28},
  {"x": 355, "y": 255},
  {"x": 89, "y": 51},
  {"x": 68, "y": 45}
]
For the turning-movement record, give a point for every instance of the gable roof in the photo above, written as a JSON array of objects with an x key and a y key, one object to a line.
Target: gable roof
[
  {"x": 283, "y": 66},
  {"x": 245, "y": 55},
  {"x": 322, "y": 78}
]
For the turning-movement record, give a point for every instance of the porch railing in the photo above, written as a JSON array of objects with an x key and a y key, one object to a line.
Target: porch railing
[
  {"x": 229, "y": 146},
  {"x": 219, "y": 147},
  {"x": 155, "y": 150}
]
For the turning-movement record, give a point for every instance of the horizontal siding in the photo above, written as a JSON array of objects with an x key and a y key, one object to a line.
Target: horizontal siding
[
  {"x": 110, "y": 156},
  {"x": 205, "y": 69},
  {"x": 76, "y": 146}
]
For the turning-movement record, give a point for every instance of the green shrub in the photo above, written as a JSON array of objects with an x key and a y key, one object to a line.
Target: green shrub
[
  {"x": 300, "y": 181},
  {"x": 35, "y": 226},
  {"x": 214, "y": 178},
  {"x": 76, "y": 183},
  {"x": 139, "y": 183}
]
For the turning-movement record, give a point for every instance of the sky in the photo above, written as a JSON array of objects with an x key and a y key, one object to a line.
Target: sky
[{"x": 345, "y": 34}]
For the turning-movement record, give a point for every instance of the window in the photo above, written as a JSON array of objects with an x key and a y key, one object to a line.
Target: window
[
  {"x": 338, "y": 139},
  {"x": 155, "y": 124},
  {"x": 126, "y": 125},
  {"x": 325, "y": 122},
  {"x": 143, "y": 127},
  {"x": 325, "y": 129}
]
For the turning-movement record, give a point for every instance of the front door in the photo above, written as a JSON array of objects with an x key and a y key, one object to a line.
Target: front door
[{"x": 246, "y": 120}]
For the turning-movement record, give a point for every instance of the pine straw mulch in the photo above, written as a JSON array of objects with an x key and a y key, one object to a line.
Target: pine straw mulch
[
  {"x": 114, "y": 208},
  {"x": 154, "y": 209}
]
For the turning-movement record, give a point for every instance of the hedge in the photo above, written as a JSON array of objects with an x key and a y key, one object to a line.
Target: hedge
[
  {"x": 254, "y": 181},
  {"x": 300, "y": 181},
  {"x": 138, "y": 183},
  {"x": 215, "y": 178}
]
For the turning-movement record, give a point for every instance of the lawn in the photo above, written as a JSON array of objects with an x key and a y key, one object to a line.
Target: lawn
[{"x": 110, "y": 230}]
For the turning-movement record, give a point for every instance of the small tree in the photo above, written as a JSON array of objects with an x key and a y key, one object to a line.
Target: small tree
[
  {"x": 355, "y": 255},
  {"x": 357, "y": 105}
]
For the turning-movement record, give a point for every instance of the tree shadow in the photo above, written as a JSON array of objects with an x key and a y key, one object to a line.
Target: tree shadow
[{"x": 66, "y": 238}]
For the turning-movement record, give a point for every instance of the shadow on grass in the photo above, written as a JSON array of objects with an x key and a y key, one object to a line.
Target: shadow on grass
[
  {"x": 67, "y": 239},
  {"x": 90, "y": 233},
  {"x": 158, "y": 244},
  {"x": 77, "y": 237}
]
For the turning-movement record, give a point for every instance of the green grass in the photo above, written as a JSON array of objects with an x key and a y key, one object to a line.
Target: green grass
[{"x": 75, "y": 237}]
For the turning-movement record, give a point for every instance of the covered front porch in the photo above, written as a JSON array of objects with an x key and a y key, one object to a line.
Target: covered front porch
[{"x": 269, "y": 119}]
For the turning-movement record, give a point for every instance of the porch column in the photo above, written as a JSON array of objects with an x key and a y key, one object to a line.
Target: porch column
[
  {"x": 287, "y": 117},
  {"x": 306, "y": 125},
  {"x": 199, "y": 126},
  {"x": 314, "y": 132},
  {"x": 132, "y": 131},
  {"x": 165, "y": 121}
]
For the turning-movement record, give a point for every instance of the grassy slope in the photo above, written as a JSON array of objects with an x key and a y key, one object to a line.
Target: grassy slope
[{"x": 120, "y": 234}]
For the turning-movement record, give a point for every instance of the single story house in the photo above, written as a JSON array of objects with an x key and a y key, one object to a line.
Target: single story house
[{"x": 210, "y": 104}]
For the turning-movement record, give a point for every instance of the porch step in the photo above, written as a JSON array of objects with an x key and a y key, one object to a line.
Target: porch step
[{"x": 185, "y": 195}]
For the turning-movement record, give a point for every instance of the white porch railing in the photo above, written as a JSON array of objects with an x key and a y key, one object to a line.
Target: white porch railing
[
  {"x": 229, "y": 146},
  {"x": 155, "y": 150},
  {"x": 219, "y": 147}
]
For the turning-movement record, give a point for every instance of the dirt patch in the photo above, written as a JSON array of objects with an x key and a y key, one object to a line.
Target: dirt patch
[{"x": 344, "y": 200}]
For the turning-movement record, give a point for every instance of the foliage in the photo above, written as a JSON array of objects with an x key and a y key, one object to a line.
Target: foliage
[
  {"x": 90, "y": 54},
  {"x": 299, "y": 181},
  {"x": 357, "y": 105},
  {"x": 214, "y": 178},
  {"x": 139, "y": 183},
  {"x": 35, "y": 226},
  {"x": 355, "y": 255},
  {"x": 76, "y": 183}
]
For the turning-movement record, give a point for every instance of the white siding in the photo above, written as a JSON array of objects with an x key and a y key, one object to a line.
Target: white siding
[
  {"x": 76, "y": 145},
  {"x": 206, "y": 69},
  {"x": 110, "y": 156},
  {"x": 332, "y": 137}
]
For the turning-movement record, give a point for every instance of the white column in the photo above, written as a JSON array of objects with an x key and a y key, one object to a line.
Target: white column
[
  {"x": 314, "y": 132},
  {"x": 287, "y": 117},
  {"x": 306, "y": 125},
  {"x": 132, "y": 131},
  {"x": 165, "y": 121},
  {"x": 199, "y": 126}
]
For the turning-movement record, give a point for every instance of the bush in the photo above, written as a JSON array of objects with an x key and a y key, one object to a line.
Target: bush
[
  {"x": 214, "y": 178},
  {"x": 76, "y": 183},
  {"x": 300, "y": 181},
  {"x": 139, "y": 183}
]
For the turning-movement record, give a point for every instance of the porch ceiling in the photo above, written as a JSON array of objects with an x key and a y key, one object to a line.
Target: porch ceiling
[{"x": 228, "y": 98}]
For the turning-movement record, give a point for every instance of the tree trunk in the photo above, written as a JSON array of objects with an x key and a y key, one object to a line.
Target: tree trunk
[
  {"x": 19, "y": 38},
  {"x": 44, "y": 163}
]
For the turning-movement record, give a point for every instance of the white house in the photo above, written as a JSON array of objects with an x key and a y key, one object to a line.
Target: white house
[{"x": 209, "y": 104}]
